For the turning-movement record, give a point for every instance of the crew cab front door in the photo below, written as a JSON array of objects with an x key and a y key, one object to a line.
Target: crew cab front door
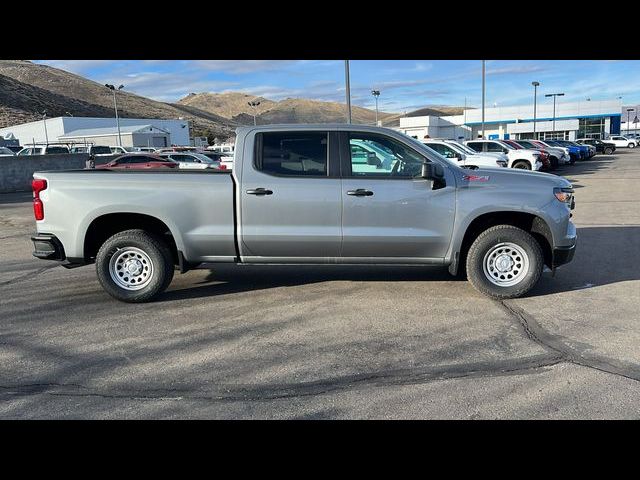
[
  {"x": 291, "y": 205},
  {"x": 390, "y": 214}
]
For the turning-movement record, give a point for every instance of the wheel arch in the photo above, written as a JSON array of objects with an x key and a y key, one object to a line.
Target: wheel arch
[
  {"x": 106, "y": 225},
  {"x": 527, "y": 221}
]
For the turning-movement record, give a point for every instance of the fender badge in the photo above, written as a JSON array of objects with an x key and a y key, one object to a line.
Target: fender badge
[{"x": 476, "y": 178}]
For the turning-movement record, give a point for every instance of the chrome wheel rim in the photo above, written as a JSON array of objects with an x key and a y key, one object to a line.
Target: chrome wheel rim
[
  {"x": 505, "y": 264},
  {"x": 131, "y": 268}
]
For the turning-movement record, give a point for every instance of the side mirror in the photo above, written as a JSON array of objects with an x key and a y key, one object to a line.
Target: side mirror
[
  {"x": 432, "y": 171},
  {"x": 461, "y": 157},
  {"x": 505, "y": 150}
]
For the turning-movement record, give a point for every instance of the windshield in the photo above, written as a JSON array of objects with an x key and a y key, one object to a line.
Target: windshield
[
  {"x": 202, "y": 157},
  {"x": 100, "y": 150},
  {"x": 5, "y": 151},
  {"x": 462, "y": 147}
]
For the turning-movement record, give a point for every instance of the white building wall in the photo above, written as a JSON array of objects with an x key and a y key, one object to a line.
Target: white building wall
[
  {"x": 28, "y": 132},
  {"x": 59, "y": 126}
]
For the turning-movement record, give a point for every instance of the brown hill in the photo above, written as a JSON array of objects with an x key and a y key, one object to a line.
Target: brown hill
[
  {"x": 26, "y": 88},
  {"x": 235, "y": 106},
  {"x": 227, "y": 105}
]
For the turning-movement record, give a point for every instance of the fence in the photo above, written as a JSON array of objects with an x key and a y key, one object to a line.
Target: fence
[{"x": 16, "y": 172}]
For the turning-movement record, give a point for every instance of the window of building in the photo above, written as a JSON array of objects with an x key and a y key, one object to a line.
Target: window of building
[{"x": 591, "y": 127}]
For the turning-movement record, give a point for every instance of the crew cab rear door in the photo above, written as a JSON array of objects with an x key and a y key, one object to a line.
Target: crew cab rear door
[
  {"x": 291, "y": 206},
  {"x": 391, "y": 214}
]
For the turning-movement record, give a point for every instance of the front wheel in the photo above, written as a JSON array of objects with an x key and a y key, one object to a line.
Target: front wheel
[
  {"x": 608, "y": 151},
  {"x": 504, "y": 262},
  {"x": 632, "y": 145},
  {"x": 134, "y": 266}
]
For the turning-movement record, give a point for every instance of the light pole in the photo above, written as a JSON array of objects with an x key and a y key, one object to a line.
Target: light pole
[
  {"x": 115, "y": 106},
  {"x": 629, "y": 110},
  {"x": 483, "y": 85},
  {"x": 254, "y": 105},
  {"x": 535, "y": 98},
  {"x": 347, "y": 89},
  {"x": 376, "y": 94},
  {"x": 554, "y": 95},
  {"x": 44, "y": 121}
]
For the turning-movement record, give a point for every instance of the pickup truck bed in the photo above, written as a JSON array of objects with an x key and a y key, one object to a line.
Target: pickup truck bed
[{"x": 197, "y": 207}]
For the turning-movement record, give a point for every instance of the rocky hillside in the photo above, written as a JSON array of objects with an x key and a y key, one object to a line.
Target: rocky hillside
[
  {"x": 234, "y": 106},
  {"x": 27, "y": 88}
]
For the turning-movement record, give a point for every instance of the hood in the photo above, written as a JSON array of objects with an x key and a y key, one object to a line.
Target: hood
[{"x": 513, "y": 176}]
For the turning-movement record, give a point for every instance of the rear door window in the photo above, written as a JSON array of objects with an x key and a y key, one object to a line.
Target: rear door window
[{"x": 292, "y": 153}]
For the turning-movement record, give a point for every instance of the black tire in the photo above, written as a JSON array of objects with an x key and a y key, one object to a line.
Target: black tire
[
  {"x": 554, "y": 163},
  {"x": 632, "y": 145},
  {"x": 489, "y": 239},
  {"x": 153, "y": 247},
  {"x": 522, "y": 165},
  {"x": 608, "y": 151}
]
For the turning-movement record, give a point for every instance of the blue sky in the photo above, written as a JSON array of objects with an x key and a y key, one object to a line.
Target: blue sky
[{"x": 404, "y": 84}]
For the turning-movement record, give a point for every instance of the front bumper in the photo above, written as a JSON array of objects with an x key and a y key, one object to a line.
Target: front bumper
[
  {"x": 47, "y": 247},
  {"x": 562, "y": 255}
]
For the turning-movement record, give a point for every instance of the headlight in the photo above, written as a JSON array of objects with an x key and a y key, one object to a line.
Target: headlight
[{"x": 564, "y": 195}]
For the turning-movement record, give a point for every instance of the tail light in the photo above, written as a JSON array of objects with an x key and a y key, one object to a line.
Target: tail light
[
  {"x": 38, "y": 185},
  {"x": 222, "y": 166}
]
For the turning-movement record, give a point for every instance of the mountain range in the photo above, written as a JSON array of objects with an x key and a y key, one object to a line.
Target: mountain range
[{"x": 27, "y": 89}]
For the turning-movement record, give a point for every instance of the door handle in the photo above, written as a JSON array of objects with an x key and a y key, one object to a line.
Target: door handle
[
  {"x": 361, "y": 192},
  {"x": 260, "y": 191}
]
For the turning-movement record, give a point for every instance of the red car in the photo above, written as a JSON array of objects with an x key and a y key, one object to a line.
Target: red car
[
  {"x": 138, "y": 161},
  {"x": 544, "y": 155}
]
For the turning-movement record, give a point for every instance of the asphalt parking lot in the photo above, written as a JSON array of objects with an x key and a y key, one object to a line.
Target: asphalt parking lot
[{"x": 334, "y": 342}]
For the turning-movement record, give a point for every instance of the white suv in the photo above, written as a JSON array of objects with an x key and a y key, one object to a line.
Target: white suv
[
  {"x": 522, "y": 159},
  {"x": 620, "y": 141},
  {"x": 453, "y": 152}
]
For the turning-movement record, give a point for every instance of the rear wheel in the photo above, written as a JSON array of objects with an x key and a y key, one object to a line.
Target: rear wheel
[
  {"x": 134, "y": 266},
  {"x": 608, "y": 151},
  {"x": 522, "y": 165},
  {"x": 504, "y": 262}
]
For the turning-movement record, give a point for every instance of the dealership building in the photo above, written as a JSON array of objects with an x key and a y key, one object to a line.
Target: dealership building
[
  {"x": 572, "y": 120},
  {"x": 134, "y": 132}
]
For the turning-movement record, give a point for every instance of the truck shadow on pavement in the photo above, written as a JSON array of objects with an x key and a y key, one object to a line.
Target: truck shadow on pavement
[{"x": 604, "y": 255}]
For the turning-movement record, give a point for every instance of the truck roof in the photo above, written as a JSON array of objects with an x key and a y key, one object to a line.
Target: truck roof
[{"x": 314, "y": 126}]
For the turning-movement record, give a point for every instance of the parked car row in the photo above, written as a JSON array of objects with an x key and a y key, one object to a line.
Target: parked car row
[
  {"x": 181, "y": 160},
  {"x": 527, "y": 154}
]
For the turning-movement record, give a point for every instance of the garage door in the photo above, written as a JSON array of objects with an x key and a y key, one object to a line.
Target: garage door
[{"x": 159, "y": 142}]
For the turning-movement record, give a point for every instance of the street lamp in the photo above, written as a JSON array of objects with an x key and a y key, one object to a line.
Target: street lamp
[
  {"x": 376, "y": 94},
  {"x": 629, "y": 110},
  {"x": 115, "y": 106},
  {"x": 254, "y": 104},
  {"x": 347, "y": 89},
  {"x": 483, "y": 88},
  {"x": 44, "y": 121},
  {"x": 535, "y": 97},
  {"x": 554, "y": 95}
]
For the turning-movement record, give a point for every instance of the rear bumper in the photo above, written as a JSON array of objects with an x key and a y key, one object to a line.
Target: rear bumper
[{"x": 47, "y": 247}]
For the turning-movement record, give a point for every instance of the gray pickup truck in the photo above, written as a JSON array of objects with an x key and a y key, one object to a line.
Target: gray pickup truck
[{"x": 308, "y": 194}]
